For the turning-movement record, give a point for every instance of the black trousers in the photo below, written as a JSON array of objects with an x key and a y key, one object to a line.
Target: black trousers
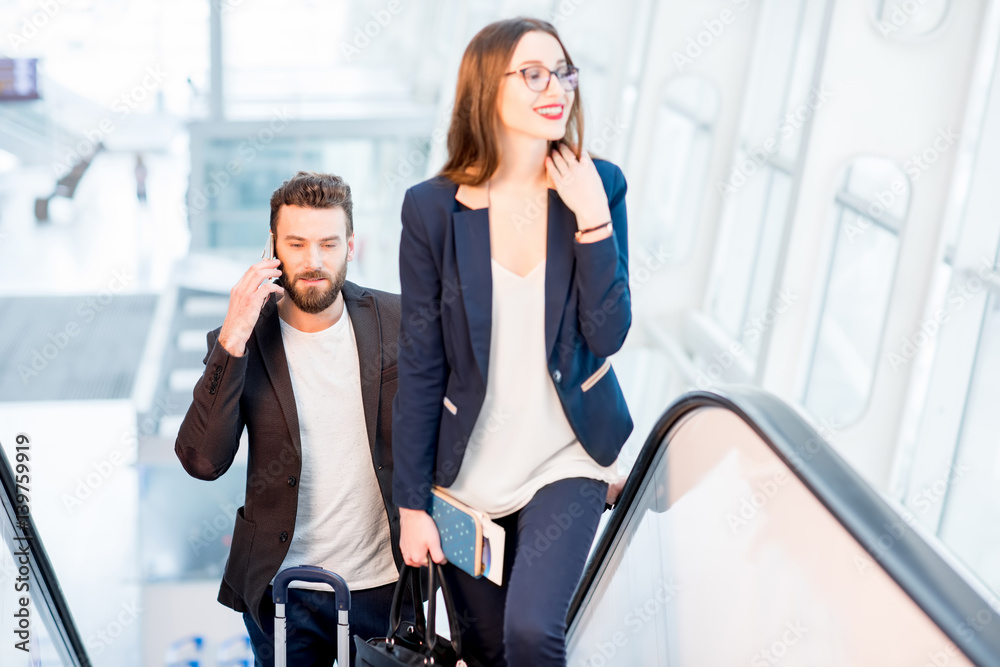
[{"x": 523, "y": 623}]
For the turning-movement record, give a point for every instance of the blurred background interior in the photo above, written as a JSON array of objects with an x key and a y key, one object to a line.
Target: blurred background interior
[{"x": 812, "y": 210}]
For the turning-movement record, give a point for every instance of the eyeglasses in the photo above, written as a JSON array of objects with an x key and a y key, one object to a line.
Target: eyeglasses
[{"x": 537, "y": 77}]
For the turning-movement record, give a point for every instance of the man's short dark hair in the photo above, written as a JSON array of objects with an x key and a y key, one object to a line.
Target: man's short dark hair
[{"x": 310, "y": 189}]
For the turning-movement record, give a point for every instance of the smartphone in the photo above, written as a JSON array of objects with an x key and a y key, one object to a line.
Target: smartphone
[
  {"x": 269, "y": 248},
  {"x": 269, "y": 251},
  {"x": 269, "y": 254}
]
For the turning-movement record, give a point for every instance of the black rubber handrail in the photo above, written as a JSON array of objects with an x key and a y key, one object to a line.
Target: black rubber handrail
[
  {"x": 44, "y": 589},
  {"x": 934, "y": 585}
]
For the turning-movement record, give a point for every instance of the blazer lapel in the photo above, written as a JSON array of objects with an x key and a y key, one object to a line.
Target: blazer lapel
[
  {"x": 472, "y": 247},
  {"x": 268, "y": 332},
  {"x": 558, "y": 266},
  {"x": 364, "y": 318}
]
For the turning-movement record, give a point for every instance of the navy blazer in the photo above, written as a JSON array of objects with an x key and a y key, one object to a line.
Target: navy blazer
[{"x": 444, "y": 338}]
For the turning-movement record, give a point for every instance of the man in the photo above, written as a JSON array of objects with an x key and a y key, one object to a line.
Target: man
[{"x": 313, "y": 378}]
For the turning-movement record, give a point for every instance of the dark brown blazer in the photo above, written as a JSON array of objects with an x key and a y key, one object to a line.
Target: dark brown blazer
[{"x": 255, "y": 390}]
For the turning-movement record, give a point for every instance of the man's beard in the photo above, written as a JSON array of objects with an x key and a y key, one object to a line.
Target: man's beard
[{"x": 316, "y": 299}]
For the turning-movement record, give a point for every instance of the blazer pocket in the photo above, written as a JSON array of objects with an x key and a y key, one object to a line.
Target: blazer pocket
[
  {"x": 598, "y": 374},
  {"x": 452, "y": 408},
  {"x": 239, "y": 552}
]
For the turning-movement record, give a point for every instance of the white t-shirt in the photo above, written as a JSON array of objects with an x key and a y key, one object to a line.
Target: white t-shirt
[
  {"x": 522, "y": 440},
  {"x": 341, "y": 524}
]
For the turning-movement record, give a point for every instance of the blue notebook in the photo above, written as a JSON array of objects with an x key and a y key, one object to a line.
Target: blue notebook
[{"x": 470, "y": 540}]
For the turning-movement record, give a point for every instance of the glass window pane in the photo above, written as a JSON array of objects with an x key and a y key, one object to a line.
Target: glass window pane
[
  {"x": 970, "y": 522},
  {"x": 678, "y": 165},
  {"x": 761, "y": 302},
  {"x": 744, "y": 217},
  {"x": 780, "y": 100},
  {"x": 858, "y": 287}
]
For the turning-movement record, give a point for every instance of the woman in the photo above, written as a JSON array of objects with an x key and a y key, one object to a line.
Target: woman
[{"x": 514, "y": 271}]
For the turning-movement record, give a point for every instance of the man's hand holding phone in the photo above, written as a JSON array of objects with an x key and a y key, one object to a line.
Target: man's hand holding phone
[{"x": 245, "y": 301}]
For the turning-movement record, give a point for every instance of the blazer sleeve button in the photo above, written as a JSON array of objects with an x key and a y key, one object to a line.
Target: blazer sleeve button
[{"x": 283, "y": 537}]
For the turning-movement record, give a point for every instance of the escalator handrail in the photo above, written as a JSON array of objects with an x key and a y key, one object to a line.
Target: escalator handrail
[
  {"x": 937, "y": 588},
  {"x": 44, "y": 586}
]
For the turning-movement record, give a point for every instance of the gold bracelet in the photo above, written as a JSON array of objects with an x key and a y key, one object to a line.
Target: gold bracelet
[{"x": 581, "y": 232}]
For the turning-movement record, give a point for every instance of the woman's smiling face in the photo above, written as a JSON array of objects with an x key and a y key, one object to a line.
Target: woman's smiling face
[{"x": 541, "y": 115}]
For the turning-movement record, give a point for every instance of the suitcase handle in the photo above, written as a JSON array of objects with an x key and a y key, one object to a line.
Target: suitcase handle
[
  {"x": 312, "y": 574},
  {"x": 315, "y": 575}
]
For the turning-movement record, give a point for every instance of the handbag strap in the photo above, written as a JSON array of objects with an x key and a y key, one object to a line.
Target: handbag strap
[
  {"x": 409, "y": 577},
  {"x": 435, "y": 577}
]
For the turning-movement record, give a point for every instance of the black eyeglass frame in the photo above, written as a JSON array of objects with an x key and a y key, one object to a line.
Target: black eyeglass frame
[{"x": 570, "y": 69}]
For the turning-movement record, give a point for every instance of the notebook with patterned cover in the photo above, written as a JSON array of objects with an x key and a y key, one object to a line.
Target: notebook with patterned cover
[{"x": 469, "y": 539}]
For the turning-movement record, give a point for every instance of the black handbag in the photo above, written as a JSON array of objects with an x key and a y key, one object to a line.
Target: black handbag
[{"x": 417, "y": 643}]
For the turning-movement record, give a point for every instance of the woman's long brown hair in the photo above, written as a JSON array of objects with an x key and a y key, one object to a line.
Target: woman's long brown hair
[{"x": 473, "y": 153}]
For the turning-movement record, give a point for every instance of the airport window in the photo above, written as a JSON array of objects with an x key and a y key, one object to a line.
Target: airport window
[
  {"x": 868, "y": 213},
  {"x": 947, "y": 465},
  {"x": 781, "y": 99},
  {"x": 970, "y": 521},
  {"x": 232, "y": 184},
  {"x": 678, "y": 165}
]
